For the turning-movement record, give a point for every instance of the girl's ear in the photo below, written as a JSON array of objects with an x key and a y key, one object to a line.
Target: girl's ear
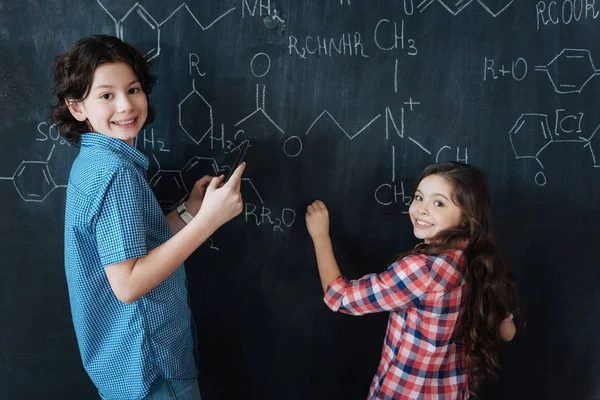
[{"x": 76, "y": 109}]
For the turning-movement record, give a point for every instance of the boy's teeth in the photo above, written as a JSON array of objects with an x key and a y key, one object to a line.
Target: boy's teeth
[{"x": 124, "y": 122}]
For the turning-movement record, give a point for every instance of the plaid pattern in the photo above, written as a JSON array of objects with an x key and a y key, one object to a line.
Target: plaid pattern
[
  {"x": 111, "y": 216},
  {"x": 423, "y": 295}
]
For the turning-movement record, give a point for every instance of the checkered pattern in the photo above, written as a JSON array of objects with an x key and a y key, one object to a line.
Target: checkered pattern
[
  {"x": 112, "y": 216},
  {"x": 423, "y": 294}
]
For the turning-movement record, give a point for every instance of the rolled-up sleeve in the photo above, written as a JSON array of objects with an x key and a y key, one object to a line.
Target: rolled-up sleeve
[{"x": 401, "y": 286}]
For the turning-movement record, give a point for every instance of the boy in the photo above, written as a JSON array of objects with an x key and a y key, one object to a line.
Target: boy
[{"x": 123, "y": 257}]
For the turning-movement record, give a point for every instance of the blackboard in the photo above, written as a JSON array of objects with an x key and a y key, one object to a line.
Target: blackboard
[{"x": 341, "y": 100}]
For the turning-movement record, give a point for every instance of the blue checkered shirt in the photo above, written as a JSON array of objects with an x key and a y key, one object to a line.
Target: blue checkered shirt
[{"x": 112, "y": 216}]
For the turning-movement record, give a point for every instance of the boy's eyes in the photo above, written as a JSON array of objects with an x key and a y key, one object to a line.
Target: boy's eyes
[{"x": 107, "y": 96}]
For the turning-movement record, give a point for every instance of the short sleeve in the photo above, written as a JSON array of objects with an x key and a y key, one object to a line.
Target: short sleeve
[
  {"x": 403, "y": 285},
  {"x": 120, "y": 232}
]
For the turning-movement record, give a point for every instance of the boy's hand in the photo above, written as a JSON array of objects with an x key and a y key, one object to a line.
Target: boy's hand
[
  {"x": 194, "y": 203},
  {"x": 317, "y": 220},
  {"x": 221, "y": 201}
]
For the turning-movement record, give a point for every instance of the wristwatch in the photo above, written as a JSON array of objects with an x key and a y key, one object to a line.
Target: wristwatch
[{"x": 184, "y": 214}]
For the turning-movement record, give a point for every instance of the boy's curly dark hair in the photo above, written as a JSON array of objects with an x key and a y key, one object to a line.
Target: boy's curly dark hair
[
  {"x": 74, "y": 72},
  {"x": 490, "y": 289}
]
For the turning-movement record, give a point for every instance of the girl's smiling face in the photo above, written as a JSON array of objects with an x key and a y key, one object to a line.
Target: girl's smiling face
[{"x": 433, "y": 209}]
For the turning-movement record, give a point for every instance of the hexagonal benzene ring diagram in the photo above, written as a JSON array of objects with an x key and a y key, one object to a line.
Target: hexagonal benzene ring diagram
[
  {"x": 495, "y": 7},
  {"x": 195, "y": 106},
  {"x": 196, "y": 168},
  {"x": 144, "y": 25},
  {"x": 529, "y": 135},
  {"x": 169, "y": 188},
  {"x": 33, "y": 181},
  {"x": 572, "y": 70},
  {"x": 455, "y": 6}
]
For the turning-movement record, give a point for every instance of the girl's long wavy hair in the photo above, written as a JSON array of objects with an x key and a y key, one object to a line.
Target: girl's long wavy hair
[{"x": 490, "y": 289}]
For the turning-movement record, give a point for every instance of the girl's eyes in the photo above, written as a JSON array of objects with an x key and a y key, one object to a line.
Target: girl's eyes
[
  {"x": 105, "y": 96},
  {"x": 436, "y": 203},
  {"x": 133, "y": 90}
]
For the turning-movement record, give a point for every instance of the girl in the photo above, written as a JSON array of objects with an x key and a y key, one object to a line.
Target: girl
[{"x": 448, "y": 298}]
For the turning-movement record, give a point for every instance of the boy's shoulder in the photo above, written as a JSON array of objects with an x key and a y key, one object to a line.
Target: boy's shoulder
[{"x": 93, "y": 171}]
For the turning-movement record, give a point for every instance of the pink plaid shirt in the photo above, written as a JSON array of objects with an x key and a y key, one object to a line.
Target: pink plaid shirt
[{"x": 423, "y": 295}]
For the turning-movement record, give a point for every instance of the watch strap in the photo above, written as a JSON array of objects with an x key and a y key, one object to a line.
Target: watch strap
[{"x": 184, "y": 214}]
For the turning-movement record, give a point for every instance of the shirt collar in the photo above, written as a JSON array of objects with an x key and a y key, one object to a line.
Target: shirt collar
[
  {"x": 461, "y": 245},
  {"x": 116, "y": 145}
]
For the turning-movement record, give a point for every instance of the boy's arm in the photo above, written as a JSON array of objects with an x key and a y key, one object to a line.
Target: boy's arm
[
  {"x": 192, "y": 205},
  {"x": 132, "y": 279},
  {"x": 175, "y": 222}
]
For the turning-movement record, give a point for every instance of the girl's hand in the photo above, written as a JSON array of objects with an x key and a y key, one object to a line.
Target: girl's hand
[{"x": 317, "y": 220}]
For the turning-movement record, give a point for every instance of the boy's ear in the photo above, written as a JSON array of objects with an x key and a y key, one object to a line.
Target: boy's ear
[{"x": 76, "y": 109}]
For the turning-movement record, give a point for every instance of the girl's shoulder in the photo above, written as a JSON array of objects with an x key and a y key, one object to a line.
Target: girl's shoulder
[{"x": 453, "y": 256}]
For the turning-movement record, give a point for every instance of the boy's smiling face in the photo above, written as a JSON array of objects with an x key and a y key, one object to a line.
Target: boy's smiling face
[{"x": 116, "y": 105}]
